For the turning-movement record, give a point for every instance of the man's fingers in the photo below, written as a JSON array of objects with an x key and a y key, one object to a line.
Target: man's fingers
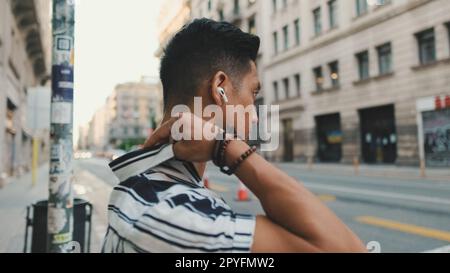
[
  {"x": 162, "y": 134},
  {"x": 154, "y": 139}
]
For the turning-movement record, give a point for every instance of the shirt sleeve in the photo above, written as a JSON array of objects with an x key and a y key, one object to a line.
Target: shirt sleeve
[{"x": 189, "y": 223}]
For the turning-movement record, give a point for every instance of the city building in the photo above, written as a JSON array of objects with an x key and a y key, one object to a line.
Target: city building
[
  {"x": 173, "y": 16},
  {"x": 24, "y": 64},
  {"x": 126, "y": 119},
  {"x": 354, "y": 79},
  {"x": 349, "y": 74},
  {"x": 83, "y": 142},
  {"x": 136, "y": 109},
  {"x": 98, "y": 130}
]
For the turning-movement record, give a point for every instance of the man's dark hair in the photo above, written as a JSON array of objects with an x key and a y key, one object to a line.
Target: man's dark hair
[{"x": 198, "y": 51}]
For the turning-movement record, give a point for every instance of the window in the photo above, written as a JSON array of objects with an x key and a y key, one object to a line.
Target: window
[
  {"x": 384, "y": 59},
  {"x": 252, "y": 25},
  {"x": 318, "y": 76},
  {"x": 333, "y": 13},
  {"x": 448, "y": 31},
  {"x": 274, "y": 6},
  {"x": 317, "y": 21},
  {"x": 297, "y": 84},
  {"x": 427, "y": 47},
  {"x": 13, "y": 68},
  {"x": 361, "y": 7},
  {"x": 297, "y": 31},
  {"x": 221, "y": 16},
  {"x": 209, "y": 5},
  {"x": 286, "y": 37},
  {"x": 334, "y": 73},
  {"x": 363, "y": 65},
  {"x": 275, "y": 91},
  {"x": 236, "y": 7},
  {"x": 284, "y": 4},
  {"x": 286, "y": 88},
  {"x": 10, "y": 116},
  {"x": 275, "y": 42}
]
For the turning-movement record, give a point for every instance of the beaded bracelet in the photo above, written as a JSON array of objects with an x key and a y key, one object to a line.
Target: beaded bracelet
[
  {"x": 231, "y": 170},
  {"x": 219, "y": 150}
]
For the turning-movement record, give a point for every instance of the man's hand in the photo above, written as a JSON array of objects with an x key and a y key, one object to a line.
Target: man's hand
[
  {"x": 296, "y": 220},
  {"x": 194, "y": 137},
  {"x": 162, "y": 134}
]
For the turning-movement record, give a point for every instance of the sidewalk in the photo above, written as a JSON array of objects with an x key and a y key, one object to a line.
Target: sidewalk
[
  {"x": 15, "y": 196},
  {"x": 382, "y": 171},
  {"x": 18, "y": 193}
]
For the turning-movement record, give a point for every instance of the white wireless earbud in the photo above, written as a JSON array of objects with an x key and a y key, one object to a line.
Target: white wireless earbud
[{"x": 222, "y": 93}]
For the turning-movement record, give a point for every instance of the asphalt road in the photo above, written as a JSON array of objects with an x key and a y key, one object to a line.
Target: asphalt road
[{"x": 402, "y": 215}]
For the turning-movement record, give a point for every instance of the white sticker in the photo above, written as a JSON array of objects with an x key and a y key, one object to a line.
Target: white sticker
[
  {"x": 63, "y": 48},
  {"x": 61, "y": 112},
  {"x": 56, "y": 220},
  {"x": 55, "y": 152},
  {"x": 65, "y": 85}
]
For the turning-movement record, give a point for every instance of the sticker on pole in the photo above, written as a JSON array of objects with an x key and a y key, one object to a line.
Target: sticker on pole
[
  {"x": 56, "y": 221},
  {"x": 61, "y": 113},
  {"x": 62, "y": 54},
  {"x": 62, "y": 83}
]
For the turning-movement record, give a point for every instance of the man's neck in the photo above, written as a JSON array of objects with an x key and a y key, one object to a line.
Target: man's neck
[{"x": 199, "y": 167}]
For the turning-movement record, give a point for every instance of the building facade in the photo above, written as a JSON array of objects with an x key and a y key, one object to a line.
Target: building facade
[
  {"x": 126, "y": 119},
  {"x": 24, "y": 61},
  {"x": 98, "y": 130},
  {"x": 350, "y": 76},
  {"x": 135, "y": 109},
  {"x": 82, "y": 142},
  {"x": 173, "y": 16}
]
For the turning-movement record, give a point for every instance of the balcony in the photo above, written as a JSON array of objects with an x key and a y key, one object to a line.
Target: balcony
[{"x": 28, "y": 23}]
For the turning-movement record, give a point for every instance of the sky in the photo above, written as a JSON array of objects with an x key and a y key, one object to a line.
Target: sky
[{"x": 115, "y": 42}]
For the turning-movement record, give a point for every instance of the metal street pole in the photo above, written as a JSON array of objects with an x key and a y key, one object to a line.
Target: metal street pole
[{"x": 60, "y": 201}]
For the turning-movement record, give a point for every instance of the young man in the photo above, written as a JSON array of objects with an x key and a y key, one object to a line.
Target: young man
[{"x": 162, "y": 204}]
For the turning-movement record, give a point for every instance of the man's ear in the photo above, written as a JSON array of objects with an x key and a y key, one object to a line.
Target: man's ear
[{"x": 222, "y": 80}]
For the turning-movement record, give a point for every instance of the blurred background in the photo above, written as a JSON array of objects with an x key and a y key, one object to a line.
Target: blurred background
[{"x": 363, "y": 88}]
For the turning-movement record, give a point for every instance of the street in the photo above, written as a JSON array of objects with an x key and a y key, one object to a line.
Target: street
[
  {"x": 350, "y": 98},
  {"x": 402, "y": 214}
]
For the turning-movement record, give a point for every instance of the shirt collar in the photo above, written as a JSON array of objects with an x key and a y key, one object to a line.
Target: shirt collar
[{"x": 140, "y": 161}]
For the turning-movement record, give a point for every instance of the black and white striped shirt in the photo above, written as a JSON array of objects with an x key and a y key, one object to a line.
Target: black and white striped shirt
[{"x": 161, "y": 205}]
